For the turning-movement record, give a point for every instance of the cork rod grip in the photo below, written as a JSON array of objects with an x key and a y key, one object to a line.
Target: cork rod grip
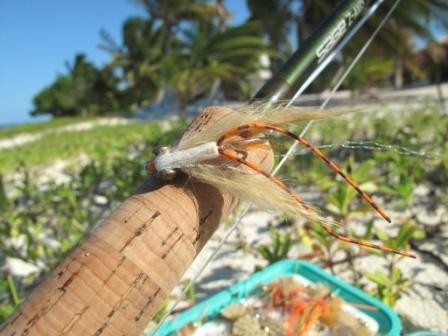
[{"x": 116, "y": 279}]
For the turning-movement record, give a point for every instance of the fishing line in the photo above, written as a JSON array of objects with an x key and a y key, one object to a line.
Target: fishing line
[
  {"x": 292, "y": 149},
  {"x": 373, "y": 146}
]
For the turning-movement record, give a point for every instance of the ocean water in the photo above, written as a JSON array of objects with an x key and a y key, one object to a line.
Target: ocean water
[{"x": 32, "y": 120}]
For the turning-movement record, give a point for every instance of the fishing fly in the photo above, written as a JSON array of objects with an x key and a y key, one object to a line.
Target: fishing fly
[{"x": 217, "y": 155}]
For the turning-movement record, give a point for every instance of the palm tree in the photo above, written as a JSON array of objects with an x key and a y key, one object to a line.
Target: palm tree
[
  {"x": 223, "y": 15},
  {"x": 172, "y": 13},
  {"x": 139, "y": 60},
  {"x": 411, "y": 18},
  {"x": 154, "y": 54},
  {"x": 209, "y": 55},
  {"x": 276, "y": 18}
]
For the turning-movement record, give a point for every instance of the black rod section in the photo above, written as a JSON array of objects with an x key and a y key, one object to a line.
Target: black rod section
[{"x": 284, "y": 84}]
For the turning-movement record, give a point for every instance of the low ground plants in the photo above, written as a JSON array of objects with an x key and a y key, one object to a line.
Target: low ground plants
[
  {"x": 41, "y": 222},
  {"x": 409, "y": 150},
  {"x": 279, "y": 247},
  {"x": 101, "y": 143},
  {"x": 38, "y": 127}
]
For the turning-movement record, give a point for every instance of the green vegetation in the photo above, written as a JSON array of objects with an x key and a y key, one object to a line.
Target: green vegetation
[
  {"x": 37, "y": 127},
  {"x": 188, "y": 47},
  {"x": 99, "y": 143},
  {"x": 390, "y": 284},
  {"x": 177, "y": 46},
  {"x": 389, "y": 172},
  {"x": 278, "y": 249},
  {"x": 42, "y": 221},
  {"x": 85, "y": 90}
]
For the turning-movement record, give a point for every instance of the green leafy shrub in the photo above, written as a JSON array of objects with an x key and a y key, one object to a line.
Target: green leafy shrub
[{"x": 279, "y": 247}]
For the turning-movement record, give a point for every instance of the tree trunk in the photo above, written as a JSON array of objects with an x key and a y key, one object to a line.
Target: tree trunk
[
  {"x": 399, "y": 69},
  {"x": 438, "y": 78},
  {"x": 183, "y": 110},
  {"x": 114, "y": 282},
  {"x": 214, "y": 91},
  {"x": 168, "y": 37}
]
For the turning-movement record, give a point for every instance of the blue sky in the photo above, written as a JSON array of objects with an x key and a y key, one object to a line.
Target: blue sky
[{"x": 38, "y": 37}]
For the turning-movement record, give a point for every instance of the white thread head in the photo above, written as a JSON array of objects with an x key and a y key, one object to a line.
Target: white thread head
[{"x": 186, "y": 157}]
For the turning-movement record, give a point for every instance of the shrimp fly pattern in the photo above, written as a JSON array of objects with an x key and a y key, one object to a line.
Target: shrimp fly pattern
[{"x": 216, "y": 156}]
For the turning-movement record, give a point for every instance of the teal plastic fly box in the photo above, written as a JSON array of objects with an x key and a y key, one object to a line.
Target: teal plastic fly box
[{"x": 386, "y": 320}]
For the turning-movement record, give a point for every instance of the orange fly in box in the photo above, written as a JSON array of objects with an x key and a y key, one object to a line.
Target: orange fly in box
[{"x": 288, "y": 298}]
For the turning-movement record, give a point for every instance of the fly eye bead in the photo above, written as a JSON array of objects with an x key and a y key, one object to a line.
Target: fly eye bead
[
  {"x": 161, "y": 150},
  {"x": 167, "y": 174}
]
